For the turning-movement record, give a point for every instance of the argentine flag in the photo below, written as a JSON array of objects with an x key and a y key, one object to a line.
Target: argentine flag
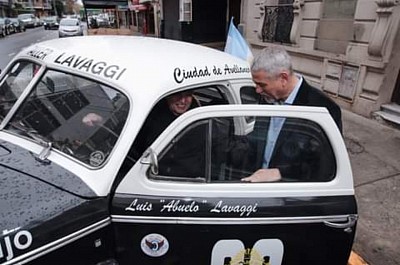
[{"x": 237, "y": 45}]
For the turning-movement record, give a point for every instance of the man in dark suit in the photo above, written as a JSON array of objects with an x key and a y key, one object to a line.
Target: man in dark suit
[{"x": 278, "y": 154}]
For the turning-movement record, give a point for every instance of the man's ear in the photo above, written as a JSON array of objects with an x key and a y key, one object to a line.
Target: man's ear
[{"x": 284, "y": 75}]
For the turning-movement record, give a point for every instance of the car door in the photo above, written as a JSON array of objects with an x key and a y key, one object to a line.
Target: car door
[{"x": 180, "y": 207}]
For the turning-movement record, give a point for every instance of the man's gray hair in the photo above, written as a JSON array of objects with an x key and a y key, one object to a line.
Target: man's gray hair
[{"x": 272, "y": 60}]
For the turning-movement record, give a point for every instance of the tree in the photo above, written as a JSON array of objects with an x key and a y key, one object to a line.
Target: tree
[
  {"x": 70, "y": 6},
  {"x": 59, "y": 8}
]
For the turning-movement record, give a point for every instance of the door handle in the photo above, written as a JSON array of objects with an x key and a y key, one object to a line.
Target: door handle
[{"x": 351, "y": 221}]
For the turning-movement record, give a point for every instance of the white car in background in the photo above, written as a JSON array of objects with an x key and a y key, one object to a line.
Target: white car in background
[
  {"x": 70, "y": 27},
  {"x": 30, "y": 20}
]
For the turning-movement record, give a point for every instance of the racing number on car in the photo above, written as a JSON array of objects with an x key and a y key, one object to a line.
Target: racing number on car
[{"x": 233, "y": 252}]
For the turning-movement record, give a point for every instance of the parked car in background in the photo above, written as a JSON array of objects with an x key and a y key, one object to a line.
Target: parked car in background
[
  {"x": 70, "y": 27},
  {"x": 2, "y": 31},
  {"x": 7, "y": 25},
  {"x": 28, "y": 19},
  {"x": 102, "y": 21},
  {"x": 18, "y": 24},
  {"x": 50, "y": 23},
  {"x": 39, "y": 22}
]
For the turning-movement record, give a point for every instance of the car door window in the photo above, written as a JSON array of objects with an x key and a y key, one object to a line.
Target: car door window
[
  {"x": 80, "y": 117},
  {"x": 209, "y": 151},
  {"x": 159, "y": 117},
  {"x": 248, "y": 95}
]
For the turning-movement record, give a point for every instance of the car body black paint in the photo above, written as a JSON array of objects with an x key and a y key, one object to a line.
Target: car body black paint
[{"x": 19, "y": 159}]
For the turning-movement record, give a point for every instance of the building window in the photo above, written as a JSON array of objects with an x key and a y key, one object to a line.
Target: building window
[
  {"x": 335, "y": 29},
  {"x": 278, "y": 20}
]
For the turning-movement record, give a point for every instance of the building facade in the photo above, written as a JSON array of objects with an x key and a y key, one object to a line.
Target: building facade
[
  {"x": 5, "y": 8},
  {"x": 39, "y": 8},
  {"x": 198, "y": 21},
  {"x": 347, "y": 48}
]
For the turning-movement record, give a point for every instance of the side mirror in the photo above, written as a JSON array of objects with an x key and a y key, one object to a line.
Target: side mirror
[{"x": 150, "y": 158}]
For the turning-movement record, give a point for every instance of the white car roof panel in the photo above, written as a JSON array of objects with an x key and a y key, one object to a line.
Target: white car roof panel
[{"x": 138, "y": 63}]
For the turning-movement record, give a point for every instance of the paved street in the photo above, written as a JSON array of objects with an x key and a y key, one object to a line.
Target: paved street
[
  {"x": 14, "y": 43},
  {"x": 374, "y": 154}
]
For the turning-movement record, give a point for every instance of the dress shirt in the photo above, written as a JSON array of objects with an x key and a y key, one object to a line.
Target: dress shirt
[{"x": 276, "y": 124}]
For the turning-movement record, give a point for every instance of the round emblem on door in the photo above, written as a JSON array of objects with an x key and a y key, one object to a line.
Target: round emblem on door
[
  {"x": 154, "y": 245},
  {"x": 96, "y": 158}
]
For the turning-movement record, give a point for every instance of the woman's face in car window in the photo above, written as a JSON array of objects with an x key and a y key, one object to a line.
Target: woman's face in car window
[{"x": 179, "y": 103}]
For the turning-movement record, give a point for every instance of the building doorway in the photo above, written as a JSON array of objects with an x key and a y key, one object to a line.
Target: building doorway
[
  {"x": 396, "y": 92},
  {"x": 234, "y": 11}
]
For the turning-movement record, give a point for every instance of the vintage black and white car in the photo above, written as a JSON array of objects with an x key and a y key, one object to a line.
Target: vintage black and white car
[{"x": 73, "y": 193}]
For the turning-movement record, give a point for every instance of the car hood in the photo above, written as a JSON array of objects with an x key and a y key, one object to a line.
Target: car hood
[
  {"x": 19, "y": 161},
  {"x": 35, "y": 214},
  {"x": 41, "y": 204}
]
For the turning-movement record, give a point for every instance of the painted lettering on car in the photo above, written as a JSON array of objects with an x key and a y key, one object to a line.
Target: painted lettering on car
[
  {"x": 20, "y": 240},
  {"x": 181, "y": 74},
  {"x": 39, "y": 53},
  {"x": 88, "y": 65}
]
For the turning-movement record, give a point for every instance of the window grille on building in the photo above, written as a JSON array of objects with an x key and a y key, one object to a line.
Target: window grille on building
[{"x": 278, "y": 20}]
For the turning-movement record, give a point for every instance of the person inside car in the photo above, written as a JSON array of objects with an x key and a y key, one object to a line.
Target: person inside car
[
  {"x": 162, "y": 115},
  {"x": 278, "y": 84}
]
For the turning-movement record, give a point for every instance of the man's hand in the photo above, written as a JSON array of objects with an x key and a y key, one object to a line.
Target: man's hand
[{"x": 264, "y": 175}]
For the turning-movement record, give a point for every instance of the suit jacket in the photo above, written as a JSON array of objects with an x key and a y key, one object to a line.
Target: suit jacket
[
  {"x": 311, "y": 96},
  {"x": 299, "y": 155}
]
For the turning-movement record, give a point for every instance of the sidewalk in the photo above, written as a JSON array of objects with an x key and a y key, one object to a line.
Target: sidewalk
[{"x": 374, "y": 151}]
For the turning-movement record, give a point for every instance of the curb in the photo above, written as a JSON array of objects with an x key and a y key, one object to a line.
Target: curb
[{"x": 356, "y": 259}]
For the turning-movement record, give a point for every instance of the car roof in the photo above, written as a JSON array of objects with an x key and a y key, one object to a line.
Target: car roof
[{"x": 139, "y": 65}]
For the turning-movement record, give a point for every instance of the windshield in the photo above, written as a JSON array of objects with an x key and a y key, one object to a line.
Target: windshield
[
  {"x": 14, "y": 83},
  {"x": 77, "y": 116},
  {"x": 25, "y": 16},
  {"x": 69, "y": 22},
  {"x": 50, "y": 19}
]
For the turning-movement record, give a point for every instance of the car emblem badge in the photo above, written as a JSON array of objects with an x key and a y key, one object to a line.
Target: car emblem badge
[
  {"x": 96, "y": 158},
  {"x": 154, "y": 245}
]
